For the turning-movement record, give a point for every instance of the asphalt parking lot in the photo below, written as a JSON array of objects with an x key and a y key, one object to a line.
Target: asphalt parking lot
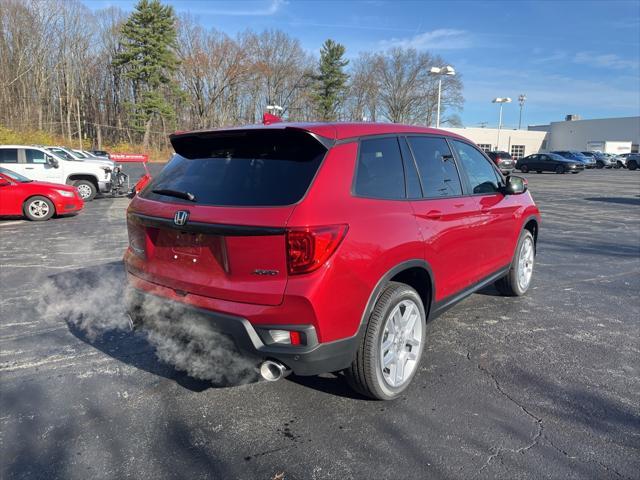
[{"x": 544, "y": 386}]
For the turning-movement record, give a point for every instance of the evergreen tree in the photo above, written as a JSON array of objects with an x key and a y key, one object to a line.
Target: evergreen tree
[
  {"x": 148, "y": 59},
  {"x": 331, "y": 81}
]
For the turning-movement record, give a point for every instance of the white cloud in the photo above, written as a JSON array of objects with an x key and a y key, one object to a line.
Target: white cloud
[
  {"x": 440, "y": 39},
  {"x": 609, "y": 60},
  {"x": 264, "y": 9},
  {"x": 554, "y": 56}
]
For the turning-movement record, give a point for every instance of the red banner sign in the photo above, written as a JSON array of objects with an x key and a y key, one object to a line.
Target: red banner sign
[{"x": 129, "y": 157}]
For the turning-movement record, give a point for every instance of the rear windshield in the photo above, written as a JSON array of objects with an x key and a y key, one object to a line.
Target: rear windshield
[{"x": 244, "y": 168}]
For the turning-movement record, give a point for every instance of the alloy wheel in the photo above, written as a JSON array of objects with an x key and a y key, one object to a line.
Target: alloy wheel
[
  {"x": 39, "y": 208},
  {"x": 525, "y": 263},
  {"x": 400, "y": 343}
]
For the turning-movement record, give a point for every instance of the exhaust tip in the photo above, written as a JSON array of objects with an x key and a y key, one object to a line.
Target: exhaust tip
[{"x": 272, "y": 371}]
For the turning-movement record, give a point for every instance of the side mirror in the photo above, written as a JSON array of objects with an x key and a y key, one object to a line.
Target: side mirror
[
  {"x": 4, "y": 183},
  {"x": 515, "y": 186},
  {"x": 52, "y": 161}
]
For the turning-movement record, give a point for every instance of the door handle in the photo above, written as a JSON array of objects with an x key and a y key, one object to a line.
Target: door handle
[
  {"x": 29, "y": 168},
  {"x": 432, "y": 215}
]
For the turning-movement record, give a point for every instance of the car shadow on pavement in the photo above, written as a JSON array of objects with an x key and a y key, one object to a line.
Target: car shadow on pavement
[
  {"x": 618, "y": 200},
  {"x": 333, "y": 384},
  {"x": 90, "y": 301}
]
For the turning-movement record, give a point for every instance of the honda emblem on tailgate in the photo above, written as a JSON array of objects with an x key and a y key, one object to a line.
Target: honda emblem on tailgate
[{"x": 180, "y": 218}]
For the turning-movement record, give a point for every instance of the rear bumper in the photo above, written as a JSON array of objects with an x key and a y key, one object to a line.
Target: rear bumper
[{"x": 253, "y": 341}]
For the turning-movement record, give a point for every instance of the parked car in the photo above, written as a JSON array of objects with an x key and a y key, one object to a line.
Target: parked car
[
  {"x": 632, "y": 161},
  {"x": 326, "y": 247},
  {"x": 38, "y": 163},
  {"x": 628, "y": 160},
  {"x": 119, "y": 179},
  {"x": 503, "y": 160},
  {"x": 72, "y": 155},
  {"x": 602, "y": 161},
  {"x": 37, "y": 201},
  {"x": 548, "y": 162},
  {"x": 577, "y": 156},
  {"x": 99, "y": 153}
]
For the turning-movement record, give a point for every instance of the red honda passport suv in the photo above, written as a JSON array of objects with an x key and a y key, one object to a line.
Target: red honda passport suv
[{"x": 327, "y": 247}]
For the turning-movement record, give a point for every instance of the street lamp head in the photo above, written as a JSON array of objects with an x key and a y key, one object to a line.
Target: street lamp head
[
  {"x": 501, "y": 100},
  {"x": 448, "y": 70},
  {"x": 522, "y": 98}
]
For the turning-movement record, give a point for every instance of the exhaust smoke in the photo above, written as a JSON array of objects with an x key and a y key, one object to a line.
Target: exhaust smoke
[{"x": 93, "y": 301}]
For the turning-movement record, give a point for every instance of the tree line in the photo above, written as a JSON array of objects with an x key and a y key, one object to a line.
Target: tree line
[{"x": 112, "y": 77}]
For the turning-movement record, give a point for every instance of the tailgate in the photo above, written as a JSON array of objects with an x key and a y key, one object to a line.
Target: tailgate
[
  {"x": 213, "y": 221},
  {"x": 240, "y": 263}
]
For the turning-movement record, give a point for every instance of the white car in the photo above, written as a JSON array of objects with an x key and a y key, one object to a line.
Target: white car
[
  {"x": 69, "y": 154},
  {"x": 38, "y": 163}
]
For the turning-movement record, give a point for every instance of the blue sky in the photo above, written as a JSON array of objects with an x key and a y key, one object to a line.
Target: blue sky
[{"x": 574, "y": 56}]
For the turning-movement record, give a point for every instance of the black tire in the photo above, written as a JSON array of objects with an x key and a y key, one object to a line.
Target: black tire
[
  {"x": 524, "y": 169},
  {"x": 632, "y": 164},
  {"x": 538, "y": 171},
  {"x": 599, "y": 164},
  {"x": 38, "y": 208},
  {"x": 560, "y": 169},
  {"x": 509, "y": 285},
  {"x": 87, "y": 189},
  {"x": 365, "y": 374}
]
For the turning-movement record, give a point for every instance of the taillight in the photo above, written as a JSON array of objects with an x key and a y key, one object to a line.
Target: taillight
[
  {"x": 137, "y": 238},
  {"x": 309, "y": 247}
]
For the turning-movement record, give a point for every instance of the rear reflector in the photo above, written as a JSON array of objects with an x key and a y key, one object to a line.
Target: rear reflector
[
  {"x": 295, "y": 338},
  {"x": 310, "y": 247}
]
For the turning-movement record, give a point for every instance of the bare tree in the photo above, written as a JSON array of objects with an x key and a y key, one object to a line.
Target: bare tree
[{"x": 57, "y": 75}]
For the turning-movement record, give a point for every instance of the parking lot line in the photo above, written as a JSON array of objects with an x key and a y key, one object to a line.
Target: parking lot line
[{"x": 14, "y": 222}]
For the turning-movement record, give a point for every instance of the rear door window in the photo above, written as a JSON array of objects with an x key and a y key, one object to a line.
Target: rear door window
[
  {"x": 241, "y": 168},
  {"x": 380, "y": 172},
  {"x": 8, "y": 155},
  {"x": 483, "y": 178},
  {"x": 437, "y": 167}
]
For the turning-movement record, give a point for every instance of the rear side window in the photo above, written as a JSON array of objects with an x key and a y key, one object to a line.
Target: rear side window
[
  {"x": 35, "y": 156},
  {"x": 241, "y": 168},
  {"x": 437, "y": 167},
  {"x": 8, "y": 155},
  {"x": 482, "y": 177},
  {"x": 380, "y": 173}
]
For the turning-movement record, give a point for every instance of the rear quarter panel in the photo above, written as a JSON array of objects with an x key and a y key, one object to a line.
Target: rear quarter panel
[{"x": 381, "y": 234}]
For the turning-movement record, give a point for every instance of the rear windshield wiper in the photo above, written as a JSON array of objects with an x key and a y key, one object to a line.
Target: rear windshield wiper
[{"x": 175, "y": 193}]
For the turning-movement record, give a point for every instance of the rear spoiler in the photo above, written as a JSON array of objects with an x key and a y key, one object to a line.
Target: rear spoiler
[{"x": 182, "y": 141}]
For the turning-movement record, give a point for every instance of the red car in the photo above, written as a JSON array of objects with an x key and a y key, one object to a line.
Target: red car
[
  {"x": 20, "y": 196},
  {"x": 326, "y": 247}
]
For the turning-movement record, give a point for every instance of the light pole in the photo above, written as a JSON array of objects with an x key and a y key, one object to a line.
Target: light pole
[
  {"x": 521, "y": 99},
  {"x": 501, "y": 101},
  {"x": 448, "y": 70}
]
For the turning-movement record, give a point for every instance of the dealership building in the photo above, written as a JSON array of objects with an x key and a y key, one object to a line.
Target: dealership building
[{"x": 621, "y": 135}]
